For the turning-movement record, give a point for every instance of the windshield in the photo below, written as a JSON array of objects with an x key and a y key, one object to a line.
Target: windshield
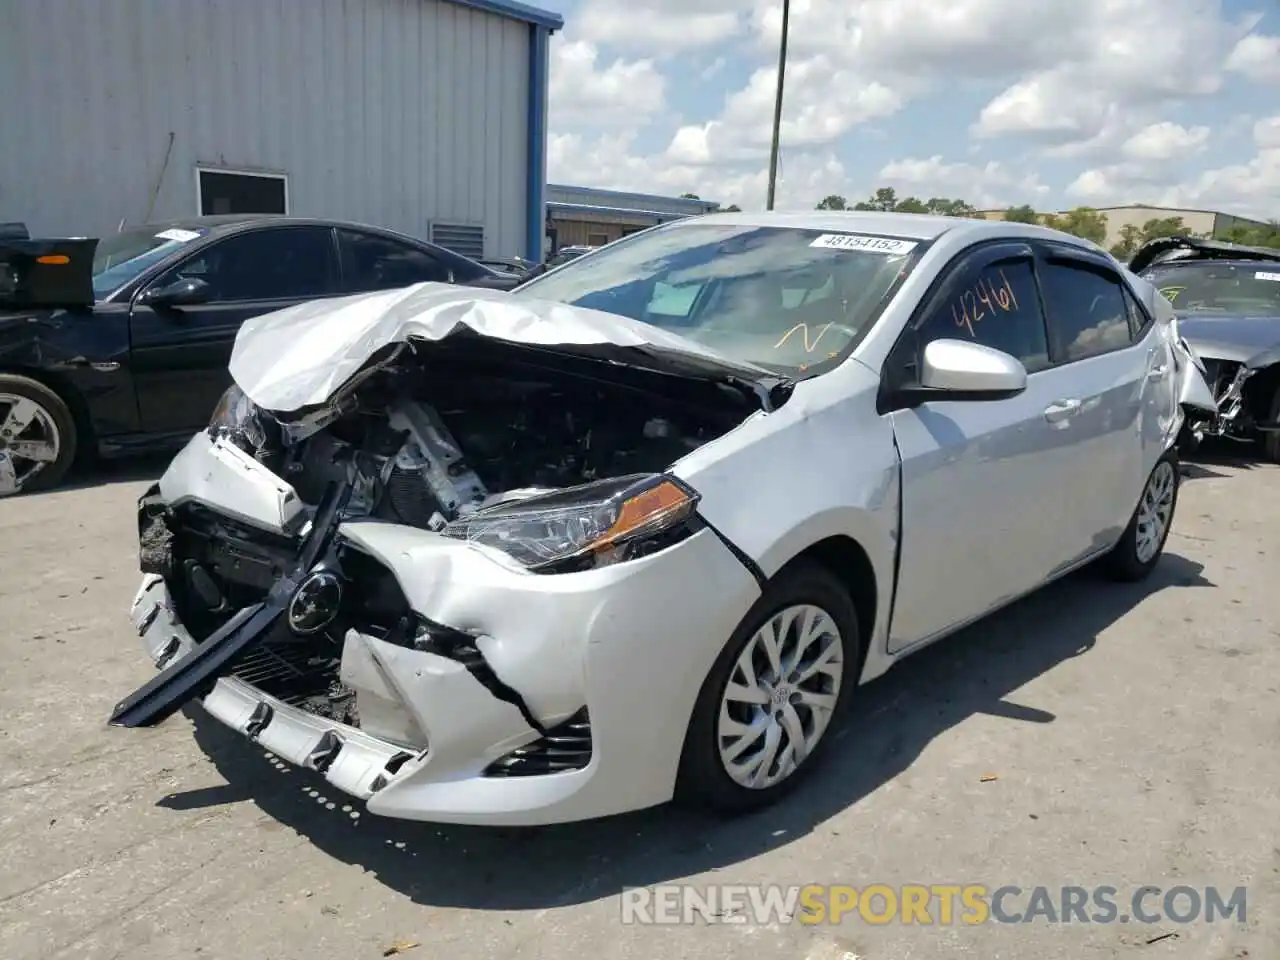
[
  {"x": 122, "y": 257},
  {"x": 782, "y": 298},
  {"x": 1215, "y": 287}
]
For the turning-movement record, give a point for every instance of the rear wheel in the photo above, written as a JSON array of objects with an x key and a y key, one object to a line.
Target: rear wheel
[
  {"x": 37, "y": 436},
  {"x": 1142, "y": 543},
  {"x": 763, "y": 717}
]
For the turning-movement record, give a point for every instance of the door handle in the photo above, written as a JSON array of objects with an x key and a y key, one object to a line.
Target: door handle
[
  {"x": 1061, "y": 410},
  {"x": 1158, "y": 373}
]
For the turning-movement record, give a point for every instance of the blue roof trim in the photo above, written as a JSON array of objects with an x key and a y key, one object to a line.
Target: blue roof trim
[
  {"x": 629, "y": 194},
  {"x": 623, "y": 211},
  {"x": 535, "y": 212},
  {"x": 516, "y": 10}
]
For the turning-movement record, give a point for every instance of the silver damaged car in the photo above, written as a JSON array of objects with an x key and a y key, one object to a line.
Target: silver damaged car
[{"x": 639, "y": 529}]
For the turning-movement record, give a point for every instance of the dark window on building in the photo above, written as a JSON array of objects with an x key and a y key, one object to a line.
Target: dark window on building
[
  {"x": 222, "y": 193},
  {"x": 283, "y": 263},
  {"x": 1087, "y": 311},
  {"x": 996, "y": 306},
  {"x": 372, "y": 262}
]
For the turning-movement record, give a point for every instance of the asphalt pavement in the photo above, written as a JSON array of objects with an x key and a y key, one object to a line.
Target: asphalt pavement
[{"x": 1092, "y": 735}]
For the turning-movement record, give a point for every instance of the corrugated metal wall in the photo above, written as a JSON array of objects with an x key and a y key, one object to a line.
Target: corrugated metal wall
[{"x": 393, "y": 112}]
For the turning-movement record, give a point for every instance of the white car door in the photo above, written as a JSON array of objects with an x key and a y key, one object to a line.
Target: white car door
[
  {"x": 987, "y": 486},
  {"x": 1119, "y": 376}
]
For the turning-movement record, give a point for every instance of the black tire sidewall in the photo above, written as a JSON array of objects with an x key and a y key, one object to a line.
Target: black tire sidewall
[
  {"x": 1271, "y": 439},
  {"x": 53, "y": 473},
  {"x": 702, "y": 780}
]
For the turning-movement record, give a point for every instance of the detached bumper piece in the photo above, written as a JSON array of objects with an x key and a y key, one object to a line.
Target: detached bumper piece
[
  {"x": 566, "y": 746},
  {"x": 194, "y": 674}
]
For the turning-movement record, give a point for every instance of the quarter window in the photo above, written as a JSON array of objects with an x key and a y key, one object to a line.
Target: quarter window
[
  {"x": 381, "y": 263},
  {"x": 997, "y": 306},
  {"x": 1087, "y": 312}
]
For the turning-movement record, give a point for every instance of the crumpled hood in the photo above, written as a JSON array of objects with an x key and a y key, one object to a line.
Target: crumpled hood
[
  {"x": 301, "y": 356},
  {"x": 1217, "y": 336}
]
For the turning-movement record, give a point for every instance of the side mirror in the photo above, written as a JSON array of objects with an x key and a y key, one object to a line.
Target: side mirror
[
  {"x": 183, "y": 292},
  {"x": 960, "y": 370}
]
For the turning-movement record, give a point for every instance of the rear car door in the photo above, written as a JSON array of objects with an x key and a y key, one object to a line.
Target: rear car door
[
  {"x": 180, "y": 353},
  {"x": 981, "y": 518},
  {"x": 1112, "y": 369}
]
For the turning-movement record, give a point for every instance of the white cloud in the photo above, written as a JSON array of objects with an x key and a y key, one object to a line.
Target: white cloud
[
  {"x": 987, "y": 186},
  {"x": 1095, "y": 80},
  {"x": 612, "y": 162},
  {"x": 1257, "y": 57},
  {"x": 1141, "y": 55},
  {"x": 1251, "y": 188},
  {"x": 584, "y": 94},
  {"x": 822, "y": 102},
  {"x": 1165, "y": 141},
  {"x": 663, "y": 27}
]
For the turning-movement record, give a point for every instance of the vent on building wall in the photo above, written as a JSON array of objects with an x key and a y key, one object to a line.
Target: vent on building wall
[{"x": 466, "y": 239}]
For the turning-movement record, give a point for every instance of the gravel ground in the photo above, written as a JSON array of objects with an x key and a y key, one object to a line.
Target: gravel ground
[{"x": 1132, "y": 733}]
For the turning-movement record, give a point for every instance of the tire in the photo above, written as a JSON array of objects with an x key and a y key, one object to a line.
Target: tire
[
  {"x": 1271, "y": 439},
  {"x": 53, "y": 423},
  {"x": 1133, "y": 558},
  {"x": 704, "y": 778}
]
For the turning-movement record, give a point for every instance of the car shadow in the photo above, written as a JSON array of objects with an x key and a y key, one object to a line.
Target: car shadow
[
  {"x": 894, "y": 719},
  {"x": 101, "y": 473}
]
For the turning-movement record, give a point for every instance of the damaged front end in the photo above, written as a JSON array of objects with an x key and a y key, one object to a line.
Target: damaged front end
[{"x": 374, "y": 585}]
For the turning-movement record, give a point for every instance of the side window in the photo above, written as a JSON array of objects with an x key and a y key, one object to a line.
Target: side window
[
  {"x": 672, "y": 301},
  {"x": 1088, "y": 315},
  {"x": 371, "y": 262},
  {"x": 997, "y": 307},
  {"x": 283, "y": 263}
]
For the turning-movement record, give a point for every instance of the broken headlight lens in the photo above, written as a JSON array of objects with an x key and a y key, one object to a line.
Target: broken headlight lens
[
  {"x": 586, "y": 526},
  {"x": 237, "y": 416}
]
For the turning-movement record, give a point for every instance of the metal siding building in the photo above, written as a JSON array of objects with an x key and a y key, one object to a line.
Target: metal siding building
[{"x": 425, "y": 116}]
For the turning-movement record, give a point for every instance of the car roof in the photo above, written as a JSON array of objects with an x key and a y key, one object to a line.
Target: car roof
[
  {"x": 230, "y": 222},
  {"x": 914, "y": 226}
]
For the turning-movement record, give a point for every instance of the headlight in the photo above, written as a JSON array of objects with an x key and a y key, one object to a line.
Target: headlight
[
  {"x": 590, "y": 525},
  {"x": 237, "y": 415}
]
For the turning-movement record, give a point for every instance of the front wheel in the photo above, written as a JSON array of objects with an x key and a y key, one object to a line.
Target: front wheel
[
  {"x": 1142, "y": 542},
  {"x": 37, "y": 436},
  {"x": 764, "y": 713}
]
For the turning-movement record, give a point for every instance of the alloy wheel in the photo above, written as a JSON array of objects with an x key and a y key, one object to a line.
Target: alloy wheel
[
  {"x": 29, "y": 440},
  {"x": 1155, "y": 511},
  {"x": 781, "y": 696}
]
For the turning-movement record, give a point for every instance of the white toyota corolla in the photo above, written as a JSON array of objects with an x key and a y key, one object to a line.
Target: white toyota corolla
[{"x": 640, "y": 528}]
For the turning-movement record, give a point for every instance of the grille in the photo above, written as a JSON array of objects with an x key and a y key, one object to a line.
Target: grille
[
  {"x": 566, "y": 746},
  {"x": 292, "y": 672}
]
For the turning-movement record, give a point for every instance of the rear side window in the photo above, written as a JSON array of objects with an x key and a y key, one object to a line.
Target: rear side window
[
  {"x": 996, "y": 306},
  {"x": 380, "y": 263},
  {"x": 1087, "y": 312}
]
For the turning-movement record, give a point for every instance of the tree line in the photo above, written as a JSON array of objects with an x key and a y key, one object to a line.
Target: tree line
[{"x": 1083, "y": 222}]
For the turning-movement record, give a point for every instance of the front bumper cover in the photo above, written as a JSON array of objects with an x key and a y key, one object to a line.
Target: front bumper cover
[{"x": 630, "y": 642}]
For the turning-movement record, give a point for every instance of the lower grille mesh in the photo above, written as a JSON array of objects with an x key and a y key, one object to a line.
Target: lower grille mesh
[{"x": 566, "y": 746}]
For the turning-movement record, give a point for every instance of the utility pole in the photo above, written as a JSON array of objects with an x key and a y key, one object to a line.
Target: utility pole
[{"x": 777, "y": 106}]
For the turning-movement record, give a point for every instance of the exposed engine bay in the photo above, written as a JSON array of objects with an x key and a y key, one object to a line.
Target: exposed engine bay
[{"x": 428, "y": 440}]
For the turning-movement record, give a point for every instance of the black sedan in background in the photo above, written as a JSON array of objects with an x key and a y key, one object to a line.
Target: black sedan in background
[{"x": 120, "y": 345}]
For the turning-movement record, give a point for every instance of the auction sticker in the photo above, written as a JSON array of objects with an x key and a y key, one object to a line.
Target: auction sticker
[
  {"x": 181, "y": 236},
  {"x": 1263, "y": 275},
  {"x": 860, "y": 241}
]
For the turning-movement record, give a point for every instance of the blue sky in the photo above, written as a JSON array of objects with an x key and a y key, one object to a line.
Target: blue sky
[{"x": 1057, "y": 103}]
